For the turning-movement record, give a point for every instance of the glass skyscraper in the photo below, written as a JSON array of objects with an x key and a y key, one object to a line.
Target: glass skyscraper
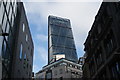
[
  {"x": 60, "y": 39},
  {"x": 8, "y": 11}
]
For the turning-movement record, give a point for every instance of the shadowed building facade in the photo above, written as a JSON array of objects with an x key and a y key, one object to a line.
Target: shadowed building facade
[
  {"x": 16, "y": 45},
  {"x": 102, "y": 45},
  {"x": 60, "y": 38}
]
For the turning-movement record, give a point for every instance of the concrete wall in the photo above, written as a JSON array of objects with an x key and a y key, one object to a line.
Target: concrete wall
[{"x": 22, "y": 68}]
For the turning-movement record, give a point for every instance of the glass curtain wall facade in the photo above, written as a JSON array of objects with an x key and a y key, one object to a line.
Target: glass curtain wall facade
[
  {"x": 60, "y": 39},
  {"x": 8, "y": 12}
]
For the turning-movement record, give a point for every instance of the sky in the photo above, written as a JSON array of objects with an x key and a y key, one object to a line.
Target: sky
[{"x": 80, "y": 12}]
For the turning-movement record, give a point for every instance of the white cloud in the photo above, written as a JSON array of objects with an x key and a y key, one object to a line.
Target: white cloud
[
  {"x": 35, "y": 68},
  {"x": 42, "y": 54},
  {"x": 42, "y": 37},
  {"x": 81, "y": 16},
  {"x": 40, "y": 57}
]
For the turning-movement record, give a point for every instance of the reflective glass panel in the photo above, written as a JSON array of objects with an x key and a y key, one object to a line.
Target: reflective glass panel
[
  {"x": 1, "y": 12},
  {"x": 4, "y": 23},
  {"x": 7, "y": 7},
  {"x": 10, "y": 14},
  {"x": 63, "y": 31},
  {"x": 15, "y": 8},
  {"x": 50, "y": 42},
  {"x": 3, "y": 48},
  {"x": 54, "y": 40},
  {"x": 69, "y": 33},
  {"x": 68, "y": 42},
  {"x": 8, "y": 27},
  {"x": 61, "y": 41},
  {"x": 55, "y": 30},
  {"x": 12, "y": 20},
  {"x": 1, "y": 40}
]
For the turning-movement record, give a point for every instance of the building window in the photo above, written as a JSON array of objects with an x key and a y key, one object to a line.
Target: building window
[
  {"x": 70, "y": 65},
  {"x": 55, "y": 72},
  {"x": 25, "y": 56},
  {"x": 21, "y": 49},
  {"x": 115, "y": 69},
  {"x": 23, "y": 27},
  {"x": 92, "y": 66},
  {"x": 68, "y": 70},
  {"x": 109, "y": 43},
  {"x": 98, "y": 57},
  {"x": 60, "y": 70},
  {"x": 118, "y": 67},
  {"x": 76, "y": 67}
]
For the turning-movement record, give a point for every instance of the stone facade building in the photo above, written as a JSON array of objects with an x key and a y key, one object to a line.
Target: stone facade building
[
  {"x": 102, "y": 45},
  {"x": 61, "y": 69}
]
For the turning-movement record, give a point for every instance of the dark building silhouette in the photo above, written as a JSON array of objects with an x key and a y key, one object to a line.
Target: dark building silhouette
[
  {"x": 60, "y": 39},
  {"x": 102, "y": 45},
  {"x": 16, "y": 45}
]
